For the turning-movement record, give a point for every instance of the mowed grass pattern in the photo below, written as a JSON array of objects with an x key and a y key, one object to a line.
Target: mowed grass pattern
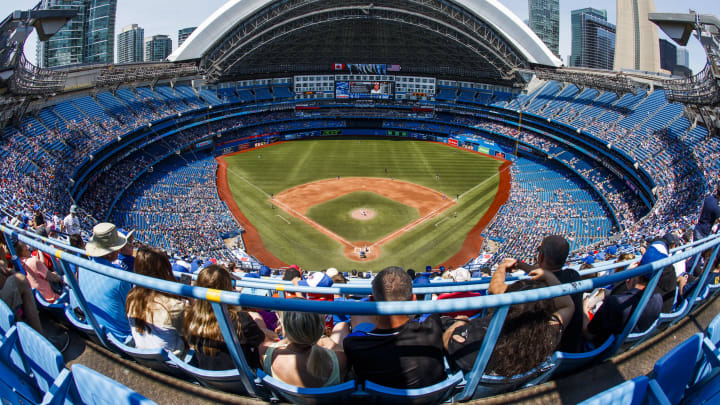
[
  {"x": 389, "y": 216},
  {"x": 255, "y": 175}
]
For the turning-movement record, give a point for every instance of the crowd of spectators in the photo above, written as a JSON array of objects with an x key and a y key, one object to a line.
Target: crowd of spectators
[
  {"x": 40, "y": 157},
  {"x": 177, "y": 208},
  {"x": 398, "y": 351}
]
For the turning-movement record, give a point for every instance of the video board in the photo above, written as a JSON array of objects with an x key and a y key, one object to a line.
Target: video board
[{"x": 381, "y": 90}]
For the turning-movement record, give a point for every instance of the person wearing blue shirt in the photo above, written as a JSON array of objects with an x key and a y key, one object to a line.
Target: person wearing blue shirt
[{"x": 106, "y": 295}]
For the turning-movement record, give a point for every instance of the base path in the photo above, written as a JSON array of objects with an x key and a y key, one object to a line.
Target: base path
[{"x": 297, "y": 200}]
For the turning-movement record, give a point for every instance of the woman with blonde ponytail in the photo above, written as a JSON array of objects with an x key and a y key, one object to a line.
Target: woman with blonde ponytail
[{"x": 306, "y": 357}]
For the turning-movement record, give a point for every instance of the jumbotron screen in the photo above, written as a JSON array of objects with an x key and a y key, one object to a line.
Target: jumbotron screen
[{"x": 364, "y": 90}]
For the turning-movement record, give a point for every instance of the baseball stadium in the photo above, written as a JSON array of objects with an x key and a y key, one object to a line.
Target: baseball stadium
[{"x": 320, "y": 202}]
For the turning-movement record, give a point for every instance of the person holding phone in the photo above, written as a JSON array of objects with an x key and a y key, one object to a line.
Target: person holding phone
[{"x": 541, "y": 322}]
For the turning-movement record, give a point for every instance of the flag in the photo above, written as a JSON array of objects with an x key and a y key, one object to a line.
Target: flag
[
  {"x": 392, "y": 68},
  {"x": 338, "y": 66}
]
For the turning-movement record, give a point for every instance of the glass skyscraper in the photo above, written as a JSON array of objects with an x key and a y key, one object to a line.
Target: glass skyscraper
[
  {"x": 157, "y": 48},
  {"x": 88, "y": 38},
  {"x": 183, "y": 34},
  {"x": 67, "y": 46},
  {"x": 593, "y": 39},
  {"x": 100, "y": 31},
  {"x": 545, "y": 22},
  {"x": 130, "y": 44}
]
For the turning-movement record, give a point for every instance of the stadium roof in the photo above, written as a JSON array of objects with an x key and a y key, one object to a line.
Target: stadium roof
[{"x": 479, "y": 39}]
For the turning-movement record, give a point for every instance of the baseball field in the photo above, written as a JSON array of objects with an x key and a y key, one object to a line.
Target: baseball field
[{"x": 362, "y": 203}]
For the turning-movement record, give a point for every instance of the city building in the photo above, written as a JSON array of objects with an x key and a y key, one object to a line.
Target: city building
[
  {"x": 674, "y": 59},
  {"x": 88, "y": 38},
  {"x": 183, "y": 34},
  {"x": 130, "y": 43},
  {"x": 67, "y": 46},
  {"x": 637, "y": 38},
  {"x": 157, "y": 48},
  {"x": 544, "y": 20},
  {"x": 100, "y": 31},
  {"x": 593, "y": 39}
]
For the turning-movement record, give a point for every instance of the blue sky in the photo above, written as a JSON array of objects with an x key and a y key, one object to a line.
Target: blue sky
[{"x": 167, "y": 16}]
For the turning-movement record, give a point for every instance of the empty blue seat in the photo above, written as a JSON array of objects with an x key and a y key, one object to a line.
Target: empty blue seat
[
  {"x": 631, "y": 392},
  {"x": 16, "y": 386},
  {"x": 94, "y": 388},
  {"x": 43, "y": 362},
  {"x": 674, "y": 370},
  {"x": 7, "y": 318},
  {"x": 336, "y": 394},
  {"x": 434, "y": 394}
]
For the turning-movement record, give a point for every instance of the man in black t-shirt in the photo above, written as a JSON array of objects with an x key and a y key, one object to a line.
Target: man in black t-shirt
[
  {"x": 552, "y": 255},
  {"x": 397, "y": 352},
  {"x": 616, "y": 310}
]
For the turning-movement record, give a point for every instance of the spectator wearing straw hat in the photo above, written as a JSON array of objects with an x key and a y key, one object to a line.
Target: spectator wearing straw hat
[{"x": 105, "y": 295}]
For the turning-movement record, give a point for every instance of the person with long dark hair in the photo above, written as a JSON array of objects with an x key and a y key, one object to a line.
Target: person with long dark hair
[
  {"x": 531, "y": 331},
  {"x": 156, "y": 318},
  {"x": 202, "y": 330}
]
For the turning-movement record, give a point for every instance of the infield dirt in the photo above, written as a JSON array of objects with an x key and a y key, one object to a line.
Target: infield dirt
[{"x": 297, "y": 200}]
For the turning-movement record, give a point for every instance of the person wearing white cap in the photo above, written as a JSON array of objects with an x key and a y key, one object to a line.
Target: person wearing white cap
[
  {"x": 106, "y": 295},
  {"x": 71, "y": 223}
]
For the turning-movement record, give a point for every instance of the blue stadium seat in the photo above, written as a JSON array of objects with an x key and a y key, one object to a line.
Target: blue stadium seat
[
  {"x": 43, "y": 362},
  {"x": 705, "y": 364},
  {"x": 16, "y": 386},
  {"x": 631, "y": 392},
  {"x": 57, "y": 307},
  {"x": 94, "y": 388},
  {"x": 490, "y": 385},
  {"x": 674, "y": 370},
  {"x": 223, "y": 380},
  {"x": 156, "y": 359},
  {"x": 434, "y": 394},
  {"x": 336, "y": 394},
  {"x": 7, "y": 319},
  {"x": 569, "y": 362}
]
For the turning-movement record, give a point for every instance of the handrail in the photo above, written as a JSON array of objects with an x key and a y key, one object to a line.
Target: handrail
[
  {"x": 501, "y": 303},
  {"x": 365, "y": 308}
]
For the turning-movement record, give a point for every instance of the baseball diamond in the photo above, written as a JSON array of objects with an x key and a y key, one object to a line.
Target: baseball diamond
[{"x": 319, "y": 182}]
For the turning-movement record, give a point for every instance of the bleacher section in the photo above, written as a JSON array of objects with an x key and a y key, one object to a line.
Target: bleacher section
[
  {"x": 177, "y": 208},
  {"x": 51, "y": 144}
]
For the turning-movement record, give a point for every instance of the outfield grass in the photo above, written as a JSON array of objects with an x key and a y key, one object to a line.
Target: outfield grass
[
  {"x": 389, "y": 216},
  {"x": 254, "y": 175}
]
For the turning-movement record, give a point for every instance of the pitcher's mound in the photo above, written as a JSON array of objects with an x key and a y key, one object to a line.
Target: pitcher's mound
[{"x": 363, "y": 214}]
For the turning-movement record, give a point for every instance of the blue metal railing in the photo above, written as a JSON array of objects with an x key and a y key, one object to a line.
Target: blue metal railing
[{"x": 64, "y": 255}]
